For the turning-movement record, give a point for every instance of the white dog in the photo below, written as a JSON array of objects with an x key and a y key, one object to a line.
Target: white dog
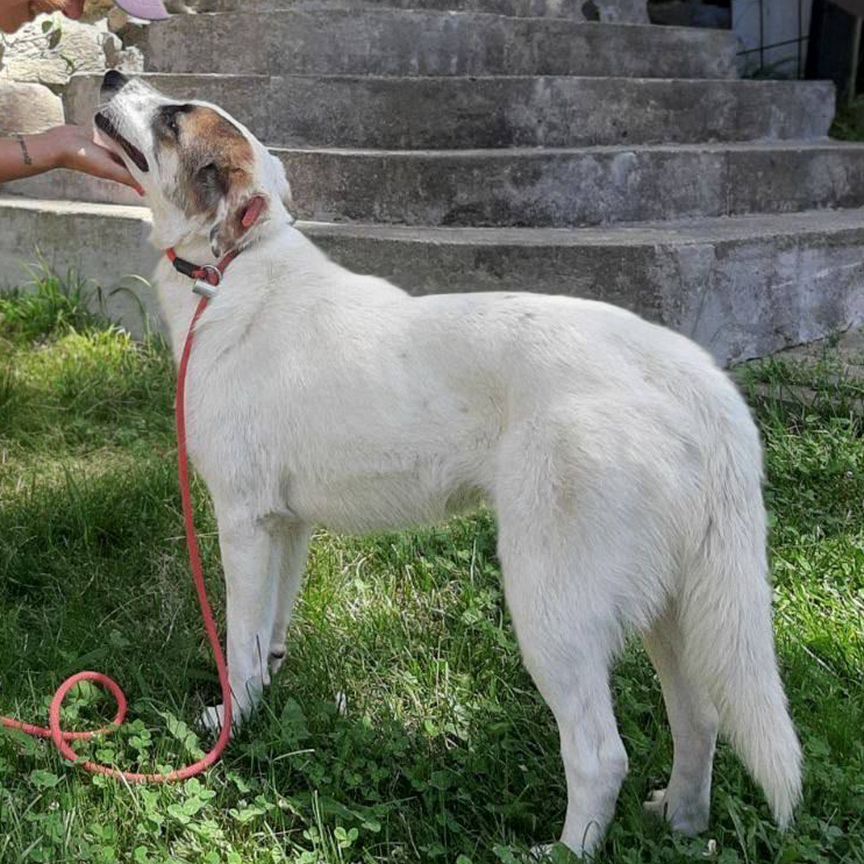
[{"x": 623, "y": 467}]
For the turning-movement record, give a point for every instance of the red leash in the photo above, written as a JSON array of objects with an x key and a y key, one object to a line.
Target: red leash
[{"x": 54, "y": 731}]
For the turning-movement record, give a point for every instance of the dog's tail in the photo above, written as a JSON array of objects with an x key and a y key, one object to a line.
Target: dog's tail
[{"x": 725, "y": 614}]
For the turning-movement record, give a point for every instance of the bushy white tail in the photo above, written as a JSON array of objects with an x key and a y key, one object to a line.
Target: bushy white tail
[{"x": 725, "y": 613}]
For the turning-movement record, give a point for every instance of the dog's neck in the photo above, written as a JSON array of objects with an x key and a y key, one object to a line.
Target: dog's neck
[
  {"x": 192, "y": 242},
  {"x": 196, "y": 247},
  {"x": 276, "y": 244}
]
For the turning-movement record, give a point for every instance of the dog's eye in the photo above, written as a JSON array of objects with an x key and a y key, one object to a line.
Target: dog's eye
[{"x": 169, "y": 116}]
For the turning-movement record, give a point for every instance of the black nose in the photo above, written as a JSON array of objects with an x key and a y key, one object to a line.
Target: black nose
[{"x": 113, "y": 82}]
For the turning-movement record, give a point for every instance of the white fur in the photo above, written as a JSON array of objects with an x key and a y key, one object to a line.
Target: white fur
[{"x": 622, "y": 465}]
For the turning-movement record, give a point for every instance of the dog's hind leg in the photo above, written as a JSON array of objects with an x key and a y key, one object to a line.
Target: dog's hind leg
[
  {"x": 693, "y": 718},
  {"x": 290, "y": 550},
  {"x": 567, "y": 643}
]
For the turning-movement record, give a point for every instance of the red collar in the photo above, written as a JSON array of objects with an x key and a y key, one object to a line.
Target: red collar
[{"x": 206, "y": 276}]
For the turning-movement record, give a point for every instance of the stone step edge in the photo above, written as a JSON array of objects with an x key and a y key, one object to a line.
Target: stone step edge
[
  {"x": 673, "y": 232},
  {"x": 373, "y": 11},
  {"x": 759, "y": 146},
  {"x": 744, "y": 83},
  {"x": 741, "y": 286}
]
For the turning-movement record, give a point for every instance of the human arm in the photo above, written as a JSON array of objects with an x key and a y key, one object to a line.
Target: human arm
[{"x": 70, "y": 147}]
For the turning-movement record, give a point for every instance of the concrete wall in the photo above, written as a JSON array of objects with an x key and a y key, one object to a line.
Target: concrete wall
[{"x": 72, "y": 238}]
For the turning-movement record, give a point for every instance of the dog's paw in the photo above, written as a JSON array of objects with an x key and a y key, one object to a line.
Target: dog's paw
[
  {"x": 656, "y": 803},
  {"x": 550, "y": 853},
  {"x": 275, "y": 658},
  {"x": 211, "y": 720},
  {"x": 689, "y": 820}
]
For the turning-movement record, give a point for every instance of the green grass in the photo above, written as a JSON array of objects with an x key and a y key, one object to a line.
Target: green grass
[
  {"x": 848, "y": 123},
  {"x": 444, "y": 751}
]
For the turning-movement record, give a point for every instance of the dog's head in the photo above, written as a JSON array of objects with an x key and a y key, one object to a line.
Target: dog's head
[{"x": 204, "y": 173}]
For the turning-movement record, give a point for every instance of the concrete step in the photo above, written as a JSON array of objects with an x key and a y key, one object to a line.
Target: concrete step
[
  {"x": 742, "y": 287},
  {"x": 630, "y": 12},
  {"x": 583, "y": 186},
  {"x": 543, "y": 188},
  {"x": 442, "y": 113},
  {"x": 418, "y": 43}
]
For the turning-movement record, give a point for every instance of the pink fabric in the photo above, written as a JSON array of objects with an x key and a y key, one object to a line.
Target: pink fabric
[{"x": 150, "y": 10}]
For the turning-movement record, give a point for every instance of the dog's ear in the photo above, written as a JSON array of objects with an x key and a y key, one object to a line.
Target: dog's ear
[
  {"x": 238, "y": 213},
  {"x": 279, "y": 182}
]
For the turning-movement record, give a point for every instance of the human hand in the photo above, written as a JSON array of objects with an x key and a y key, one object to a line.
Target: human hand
[{"x": 76, "y": 149}]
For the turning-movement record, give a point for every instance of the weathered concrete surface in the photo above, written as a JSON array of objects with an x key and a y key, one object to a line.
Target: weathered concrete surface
[
  {"x": 621, "y": 11},
  {"x": 583, "y": 186},
  {"x": 108, "y": 246},
  {"x": 28, "y": 108},
  {"x": 396, "y": 42},
  {"x": 742, "y": 287},
  {"x": 542, "y": 188},
  {"x": 441, "y": 113}
]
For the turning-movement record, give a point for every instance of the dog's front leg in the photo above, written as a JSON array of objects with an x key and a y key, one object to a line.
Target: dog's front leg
[
  {"x": 290, "y": 551},
  {"x": 250, "y": 558}
]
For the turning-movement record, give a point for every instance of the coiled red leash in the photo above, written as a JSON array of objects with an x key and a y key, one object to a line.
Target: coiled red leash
[{"x": 54, "y": 731}]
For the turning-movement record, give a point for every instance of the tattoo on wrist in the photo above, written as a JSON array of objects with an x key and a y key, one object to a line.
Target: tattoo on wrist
[{"x": 24, "y": 153}]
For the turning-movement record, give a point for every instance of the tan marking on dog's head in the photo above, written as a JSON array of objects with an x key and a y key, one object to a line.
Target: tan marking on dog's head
[
  {"x": 213, "y": 156},
  {"x": 204, "y": 174},
  {"x": 215, "y": 169}
]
